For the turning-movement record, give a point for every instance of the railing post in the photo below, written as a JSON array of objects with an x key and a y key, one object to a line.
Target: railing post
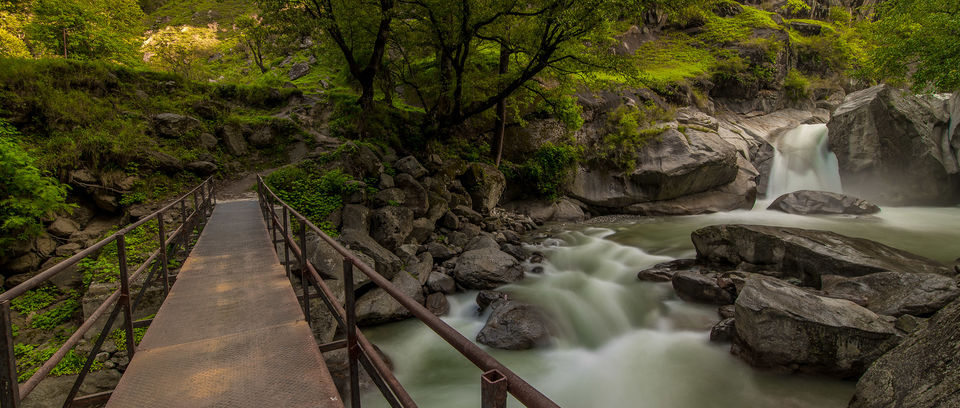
[
  {"x": 9, "y": 389},
  {"x": 493, "y": 390},
  {"x": 125, "y": 295},
  {"x": 351, "y": 329},
  {"x": 162, "y": 233},
  {"x": 304, "y": 283},
  {"x": 286, "y": 245}
]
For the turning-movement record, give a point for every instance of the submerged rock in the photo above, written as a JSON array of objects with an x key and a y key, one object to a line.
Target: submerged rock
[
  {"x": 782, "y": 326},
  {"x": 803, "y": 254},
  {"x": 822, "y": 202},
  {"x": 921, "y": 372},
  {"x": 515, "y": 326}
]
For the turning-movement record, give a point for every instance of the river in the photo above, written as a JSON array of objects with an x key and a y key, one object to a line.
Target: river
[{"x": 626, "y": 343}]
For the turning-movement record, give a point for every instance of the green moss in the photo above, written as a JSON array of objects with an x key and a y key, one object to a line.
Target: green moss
[
  {"x": 672, "y": 59},
  {"x": 725, "y": 30},
  {"x": 36, "y": 299},
  {"x": 630, "y": 129},
  {"x": 796, "y": 85}
]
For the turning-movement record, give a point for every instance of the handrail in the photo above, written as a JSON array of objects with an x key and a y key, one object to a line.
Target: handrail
[
  {"x": 496, "y": 378},
  {"x": 10, "y": 392}
]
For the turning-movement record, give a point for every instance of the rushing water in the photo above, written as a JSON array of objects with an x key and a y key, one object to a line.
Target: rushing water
[{"x": 626, "y": 343}]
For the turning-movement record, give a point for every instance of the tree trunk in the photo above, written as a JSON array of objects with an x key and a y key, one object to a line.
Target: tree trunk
[
  {"x": 501, "y": 125},
  {"x": 366, "y": 105}
]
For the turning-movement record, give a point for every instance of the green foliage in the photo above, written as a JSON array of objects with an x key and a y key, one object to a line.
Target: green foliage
[
  {"x": 102, "y": 29},
  {"x": 56, "y": 316},
  {"x": 11, "y": 35},
  {"x": 796, "y": 85},
  {"x": 629, "y": 130},
  {"x": 917, "y": 40},
  {"x": 314, "y": 193},
  {"x": 119, "y": 337},
  {"x": 182, "y": 49},
  {"x": 30, "y": 358},
  {"x": 672, "y": 59},
  {"x": 27, "y": 196},
  {"x": 36, "y": 299},
  {"x": 140, "y": 243},
  {"x": 795, "y": 7},
  {"x": 725, "y": 30},
  {"x": 549, "y": 169}
]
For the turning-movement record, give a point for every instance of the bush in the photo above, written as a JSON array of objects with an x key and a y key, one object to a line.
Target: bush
[
  {"x": 27, "y": 196},
  {"x": 548, "y": 170},
  {"x": 630, "y": 128},
  {"x": 796, "y": 85},
  {"x": 313, "y": 193}
]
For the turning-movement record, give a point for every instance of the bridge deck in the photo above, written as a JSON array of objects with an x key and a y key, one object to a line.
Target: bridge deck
[{"x": 231, "y": 332}]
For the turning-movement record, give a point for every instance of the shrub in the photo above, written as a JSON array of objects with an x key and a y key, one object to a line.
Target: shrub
[
  {"x": 313, "y": 193},
  {"x": 630, "y": 128},
  {"x": 26, "y": 194},
  {"x": 796, "y": 85},
  {"x": 548, "y": 170}
]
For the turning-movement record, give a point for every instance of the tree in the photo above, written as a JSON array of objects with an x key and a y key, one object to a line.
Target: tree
[
  {"x": 178, "y": 49},
  {"x": 85, "y": 29},
  {"x": 26, "y": 195},
  {"x": 919, "y": 40},
  {"x": 255, "y": 36}
]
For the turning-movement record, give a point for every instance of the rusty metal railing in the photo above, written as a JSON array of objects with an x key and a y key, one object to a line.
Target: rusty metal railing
[
  {"x": 496, "y": 379},
  {"x": 11, "y": 393}
]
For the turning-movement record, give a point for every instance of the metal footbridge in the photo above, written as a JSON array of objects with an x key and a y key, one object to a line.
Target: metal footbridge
[{"x": 231, "y": 330}]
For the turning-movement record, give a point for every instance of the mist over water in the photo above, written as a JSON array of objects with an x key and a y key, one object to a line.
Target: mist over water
[{"x": 625, "y": 343}]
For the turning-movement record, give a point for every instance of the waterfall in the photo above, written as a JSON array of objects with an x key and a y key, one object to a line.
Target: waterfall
[{"x": 802, "y": 161}]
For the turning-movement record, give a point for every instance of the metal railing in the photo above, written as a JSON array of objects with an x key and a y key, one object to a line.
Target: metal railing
[
  {"x": 496, "y": 379},
  {"x": 11, "y": 393}
]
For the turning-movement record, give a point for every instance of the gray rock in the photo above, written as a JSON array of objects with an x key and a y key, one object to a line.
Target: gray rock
[
  {"x": 441, "y": 283},
  {"x": 724, "y": 332},
  {"x": 821, "y": 202},
  {"x": 891, "y": 150},
  {"x": 45, "y": 245},
  {"x": 481, "y": 242},
  {"x": 440, "y": 252},
  {"x": 485, "y": 183},
  {"x": 782, "y": 326},
  {"x": 450, "y": 221},
  {"x": 63, "y": 227},
  {"x": 390, "y": 226},
  {"x": 232, "y": 135},
  {"x": 468, "y": 213},
  {"x": 386, "y": 181},
  {"x": 695, "y": 287},
  {"x": 356, "y": 217},
  {"x": 803, "y": 254},
  {"x": 741, "y": 193},
  {"x": 411, "y": 166},
  {"x": 385, "y": 262},
  {"x": 377, "y": 306},
  {"x": 414, "y": 195},
  {"x": 68, "y": 249},
  {"x": 896, "y": 293},
  {"x": 921, "y": 372},
  {"x": 171, "y": 125},
  {"x": 562, "y": 210},
  {"x": 672, "y": 166},
  {"x": 162, "y": 161},
  {"x": 437, "y": 304},
  {"x": 515, "y": 326},
  {"x": 486, "y": 268},
  {"x": 515, "y": 251},
  {"x": 298, "y": 70},
  {"x": 201, "y": 168},
  {"x": 22, "y": 264},
  {"x": 263, "y": 137},
  {"x": 485, "y": 298},
  {"x": 422, "y": 229},
  {"x": 390, "y": 196},
  {"x": 208, "y": 141},
  {"x": 665, "y": 271}
]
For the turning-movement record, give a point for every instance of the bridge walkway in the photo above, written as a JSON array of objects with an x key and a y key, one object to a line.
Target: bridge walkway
[{"x": 231, "y": 333}]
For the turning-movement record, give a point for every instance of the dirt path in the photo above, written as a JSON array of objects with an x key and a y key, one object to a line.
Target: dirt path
[{"x": 240, "y": 187}]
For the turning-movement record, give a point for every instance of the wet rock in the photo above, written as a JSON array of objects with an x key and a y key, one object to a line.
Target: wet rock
[
  {"x": 437, "y": 304},
  {"x": 741, "y": 193},
  {"x": 724, "y": 332},
  {"x": 441, "y": 283},
  {"x": 726, "y": 311},
  {"x": 377, "y": 306},
  {"x": 514, "y": 250},
  {"x": 515, "y": 326},
  {"x": 486, "y": 268},
  {"x": 803, "y": 254},
  {"x": 481, "y": 242},
  {"x": 920, "y": 372},
  {"x": 541, "y": 211},
  {"x": 692, "y": 286},
  {"x": 485, "y": 298},
  {"x": 896, "y": 293},
  {"x": 821, "y": 202},
  {"x": 779, "y": 325},
  {"x": 665, "y": 271}
]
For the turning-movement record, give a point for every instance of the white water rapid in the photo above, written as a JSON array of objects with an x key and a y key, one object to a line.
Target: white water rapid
[
  {"x": 802, "y": 161},
  {"x": 626, "y": 343}
]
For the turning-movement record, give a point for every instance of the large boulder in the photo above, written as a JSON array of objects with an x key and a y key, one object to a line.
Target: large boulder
[
  {"x": 739, "y": 194},
  {"x": 486, "y": 268},
  {"x": 672, "y": 165},
  {"x": 562, "y": 210},
  {"x": 893, "y": 147},
  {"x": 377, "y": 306},
  {"x": 896, "y": 293},
  {"x": 921, "y": 372},
  {"x": 801, "y": 254},
  {"x": 390, "y": 226},
  {"x": 233, "y": 139},
  {"x": 411, "y": 166},
  {"x": 63, "y": 227},
  {"x": 172, "y": 125},
  {"x": 415, "y": 197},
  {"x": 782, "y": 326},
  {"x": 485, "y": 183},
  {"x": 693, "y": 286},
  {"x": 385, "y": 262},
  {"x": 515, "y": 326},
  {"x": 821, "y": 202}
]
